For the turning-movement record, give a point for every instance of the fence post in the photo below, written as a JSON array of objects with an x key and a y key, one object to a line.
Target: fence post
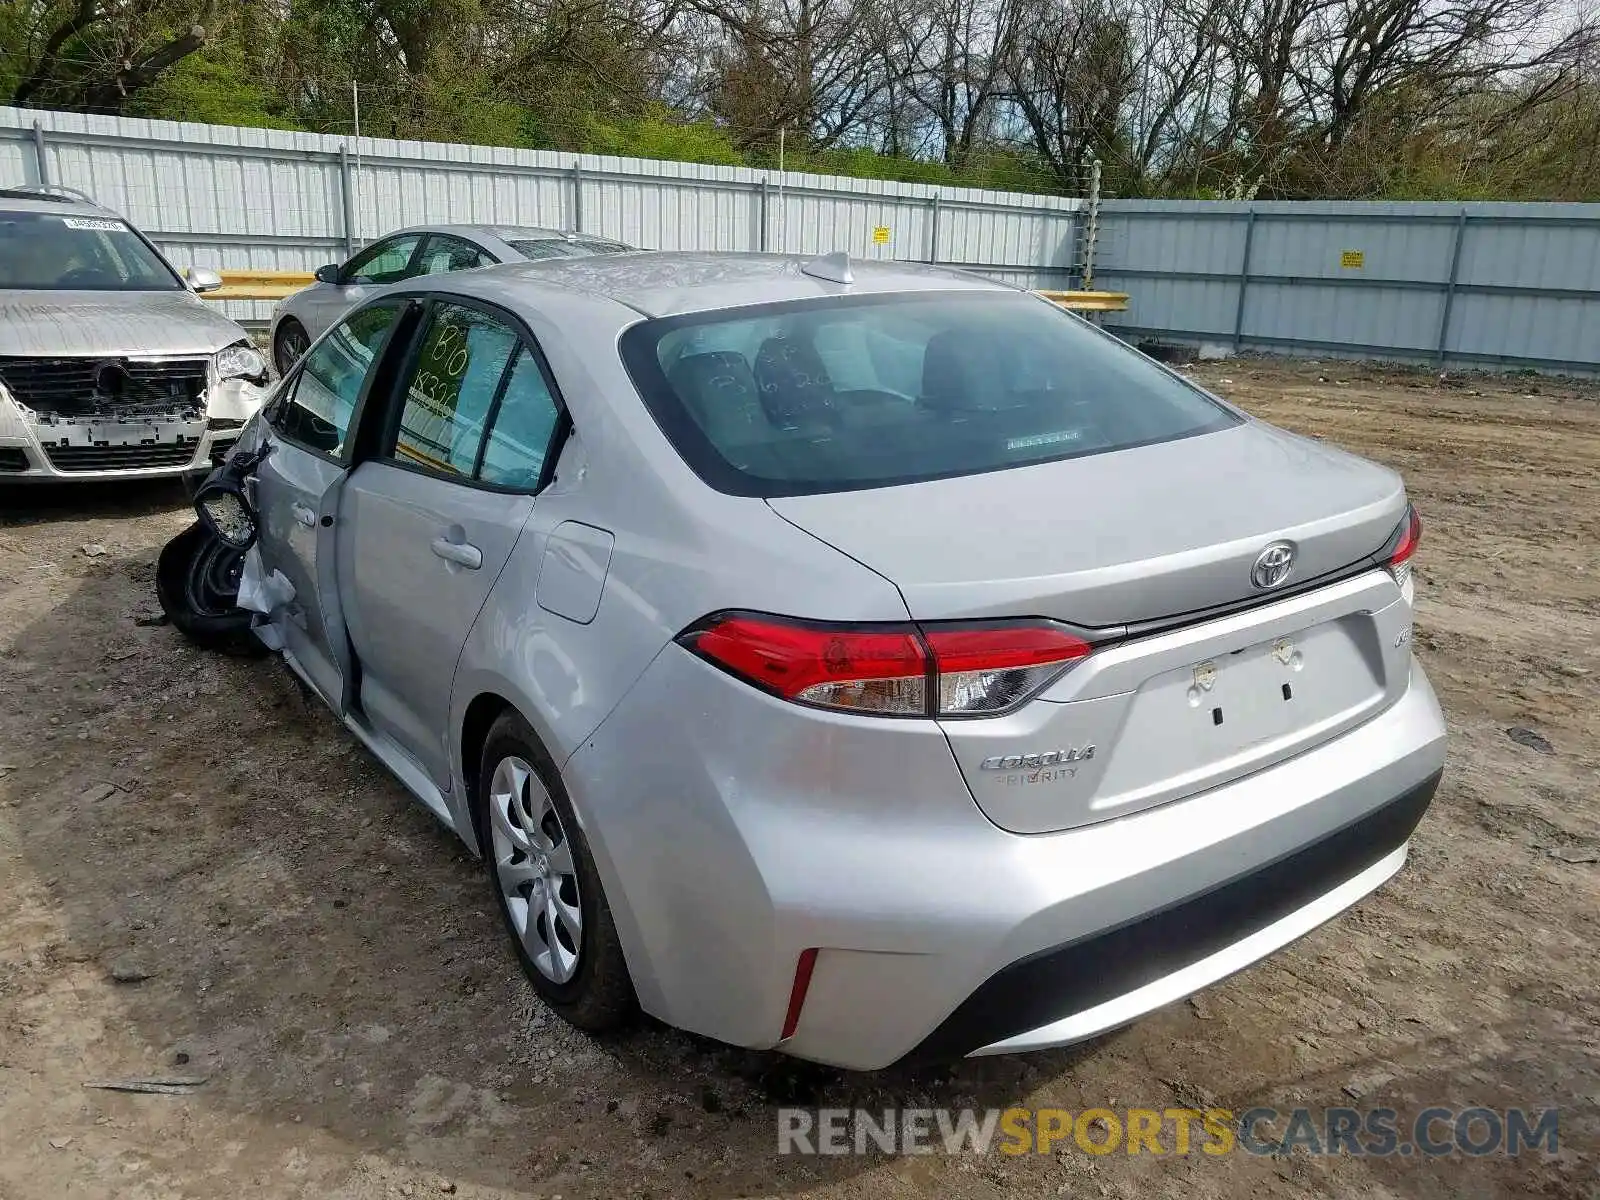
[
  {"x": 933, "y": 230},
  {"x": 1091, "y": 228},
  {"x": 40, "y": 152},
  {"x": 348, "y": 200},
  {"x": 1244, "y": 278},
  {"x": 1450, "y": 287},
  {"x": 766, "y": 211},
  {"x": 577, "y": 196}
]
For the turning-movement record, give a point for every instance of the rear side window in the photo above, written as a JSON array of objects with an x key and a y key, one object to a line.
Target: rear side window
[
  {"x": 524, "y": 423},
  {"x": 476, "y": 405},
  {"x": 453, "y": 381},
  {"x": 443, "y": 254},
  {"x": 834, "y": 395}
]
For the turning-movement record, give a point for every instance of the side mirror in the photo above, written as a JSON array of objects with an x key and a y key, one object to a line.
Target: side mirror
[
  {"x": 202, "y": 279},
  {"x": 226, "y": 511},
  {"x": 327, "y": 274},
  {"x": 223, "y": 501}
]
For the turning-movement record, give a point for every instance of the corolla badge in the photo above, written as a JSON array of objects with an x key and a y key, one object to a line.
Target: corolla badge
[
  {"x": 1025, "y": 762},
  {"x": 1273, "y": 565}
]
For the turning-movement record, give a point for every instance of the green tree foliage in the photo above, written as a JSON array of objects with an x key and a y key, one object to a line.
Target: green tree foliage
[
  {"x": 656, "y": 135},
  {"x": 1270, "y": 98}
]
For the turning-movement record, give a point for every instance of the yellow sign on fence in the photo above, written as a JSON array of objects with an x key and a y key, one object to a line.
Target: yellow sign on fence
[
  {"x": 880, "y": 235},
  {"x": 1352, "y": 260}
]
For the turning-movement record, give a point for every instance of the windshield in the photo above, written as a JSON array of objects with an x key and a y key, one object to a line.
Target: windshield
[
  {"x": 537, "y": 248},
  {"x": 70, "y": 252},
  {"x": 827, "y": 396}
]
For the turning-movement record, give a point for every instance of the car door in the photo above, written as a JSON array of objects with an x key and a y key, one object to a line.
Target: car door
[
  {"x": 427, "y": 523},
  {"x": 298, "y": 486},
  {"x": 387, "y": 260}
]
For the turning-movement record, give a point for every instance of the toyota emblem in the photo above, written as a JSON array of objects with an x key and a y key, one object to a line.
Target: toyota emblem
[{"x": 1273, "y": 565}]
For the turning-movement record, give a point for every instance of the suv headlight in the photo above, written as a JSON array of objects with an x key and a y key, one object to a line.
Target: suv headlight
[{"x": 241, "y": 361}]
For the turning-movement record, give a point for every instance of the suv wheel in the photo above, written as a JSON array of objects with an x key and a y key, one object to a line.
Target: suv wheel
[{"x": 545, "y": 879}]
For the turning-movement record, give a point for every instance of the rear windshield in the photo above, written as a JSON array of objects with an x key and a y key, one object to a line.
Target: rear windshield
[
  {"x": 70, "y": 252},
  {"x": 540, "y": 248},
  {"x": 834, "y": 395}
]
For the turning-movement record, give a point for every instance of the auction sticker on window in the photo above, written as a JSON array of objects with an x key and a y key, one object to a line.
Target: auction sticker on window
[{"x": 106, "y": 223}]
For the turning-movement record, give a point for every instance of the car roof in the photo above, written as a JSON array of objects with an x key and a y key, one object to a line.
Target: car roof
[
  {"x": 27, "y": 199},
  {"x": 660, "y": 283}
]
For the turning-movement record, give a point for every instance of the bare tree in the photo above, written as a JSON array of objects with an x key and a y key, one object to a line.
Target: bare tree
[
  {"x": 811, "y": 66},
  {"x": 95, "y": 54}
]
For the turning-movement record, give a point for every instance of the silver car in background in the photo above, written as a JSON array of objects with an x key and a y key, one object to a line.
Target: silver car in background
[
  {"x": 407, "y": 254},
  {"x": 866, "y": 661},
  {"x": 110, "y": 365}
]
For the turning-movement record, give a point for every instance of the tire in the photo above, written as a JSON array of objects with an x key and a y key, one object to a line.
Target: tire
[
  {"x": 197, "y": 582},
  {"x": 289, "y": 342},
  {"x": 581, "y": 974}
]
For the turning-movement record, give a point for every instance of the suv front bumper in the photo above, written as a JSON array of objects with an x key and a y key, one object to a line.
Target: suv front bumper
[{"x": 59, "y": 449}]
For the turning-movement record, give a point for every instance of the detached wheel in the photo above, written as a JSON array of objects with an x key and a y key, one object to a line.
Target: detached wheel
[
  {"x": 545, "y": 880},
  {"x": 289, "y": 344},
  {"x": 197, "y": 582}
]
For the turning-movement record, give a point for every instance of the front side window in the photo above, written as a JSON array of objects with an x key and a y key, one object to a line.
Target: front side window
[
  {"x": 833, "y": 395},
  {"x": 317, "y": 410},
  {"x": 384, "y": 262},
  {"x": 68, "y": 252},
  {"x": 451, "y": 386}
]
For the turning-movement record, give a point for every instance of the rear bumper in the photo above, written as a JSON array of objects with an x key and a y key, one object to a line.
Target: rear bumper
[
  {"x": 740, "y": 831},
  {"x": 1080, "y": 990}
]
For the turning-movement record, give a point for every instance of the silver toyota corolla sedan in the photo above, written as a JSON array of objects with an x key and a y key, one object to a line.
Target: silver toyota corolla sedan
[
  {"x": 862, "y": 660},
  {"x": 406, "y": 254},
  {"x": 111, "y": 366}
]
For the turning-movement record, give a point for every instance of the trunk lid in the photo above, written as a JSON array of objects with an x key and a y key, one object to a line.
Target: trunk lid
[
  {"x": 1135, "y": 536},
  {"x": 1115, "y": 538}
]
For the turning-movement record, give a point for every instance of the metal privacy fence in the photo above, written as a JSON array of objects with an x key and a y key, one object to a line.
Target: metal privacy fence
[
  {"x": 1479, "y": 284},
  {"x": 1482, "y": 284},
  {"x": 261, "y": 199}
]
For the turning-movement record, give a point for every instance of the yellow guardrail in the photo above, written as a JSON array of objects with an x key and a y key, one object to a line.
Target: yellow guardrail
[
  {"x": 259, "y": 285},
  {"x": 1090, "y": 301},
  {"x": 275, "y": 285}
]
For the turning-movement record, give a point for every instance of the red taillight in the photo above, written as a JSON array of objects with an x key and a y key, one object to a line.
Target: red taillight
[
  {"x": 1409, "y": 537},
  {"x": 879, "y": 670},
  {"x": 974, "y": 670}
]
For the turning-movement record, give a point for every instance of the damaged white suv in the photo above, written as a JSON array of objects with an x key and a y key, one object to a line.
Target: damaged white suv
[{"x": 110, "y": 365}]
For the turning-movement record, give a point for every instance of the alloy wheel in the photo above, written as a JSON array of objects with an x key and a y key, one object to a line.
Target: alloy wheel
[
  {"x": 533, "y": 862},
  {"x": 293, "y": 342}
]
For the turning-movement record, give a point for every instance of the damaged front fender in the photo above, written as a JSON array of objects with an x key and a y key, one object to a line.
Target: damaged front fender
[{"x": 267, "y": 596}]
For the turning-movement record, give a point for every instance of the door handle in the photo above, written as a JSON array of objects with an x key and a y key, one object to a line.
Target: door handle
[
  {"x": 459, "y": 553},
  {"x": 305, "y": 515}
]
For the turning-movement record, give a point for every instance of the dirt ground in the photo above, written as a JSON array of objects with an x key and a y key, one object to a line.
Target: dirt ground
[{"x": 202, "y": 875}]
